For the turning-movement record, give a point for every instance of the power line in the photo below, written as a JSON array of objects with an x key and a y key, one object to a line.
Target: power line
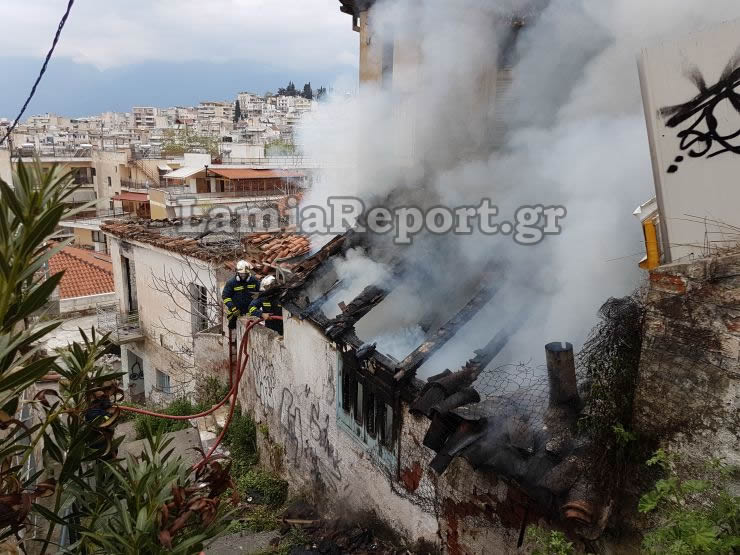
[{"x": 41, "y": 73}]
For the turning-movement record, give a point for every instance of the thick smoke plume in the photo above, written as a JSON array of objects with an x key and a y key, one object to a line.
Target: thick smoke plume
[{"x": 569, "y": 130}]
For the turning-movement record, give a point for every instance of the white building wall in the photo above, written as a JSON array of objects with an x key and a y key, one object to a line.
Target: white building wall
[
  {"x": 695, "y": 166},
  {"x": 169, "y": 344},
  {"x": 291, "y": 385}
]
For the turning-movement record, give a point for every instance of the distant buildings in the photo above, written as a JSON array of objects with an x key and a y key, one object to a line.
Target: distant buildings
[{"x": 147, "y": 130}]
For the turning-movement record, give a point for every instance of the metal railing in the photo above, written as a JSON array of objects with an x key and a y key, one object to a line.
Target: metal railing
[
  {"x": 128, "y": 184},
  {"x": 121, "y": 326},
  {"x": 276, "y": 162},
  {"x": 172, "y": 194},
  {"x": 99, "y": 215}
]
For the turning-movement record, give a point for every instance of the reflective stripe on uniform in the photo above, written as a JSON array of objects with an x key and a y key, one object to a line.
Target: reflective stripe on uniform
[
  {"x": 266, "y": 304},
  {"x": 240, "y": 288},
  {"x": 252, "y": 309},
  {"x": 227, "y": 300},
  {"x": 251, "y": 286}
]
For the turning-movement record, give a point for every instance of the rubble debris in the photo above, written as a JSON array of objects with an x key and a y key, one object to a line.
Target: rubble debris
[
  {"x": 523, "y": 434},
  {"x": 361, "y": 534}
]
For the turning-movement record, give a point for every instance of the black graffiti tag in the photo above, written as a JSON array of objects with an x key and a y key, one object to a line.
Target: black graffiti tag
[{"x": 703, "y": 138}]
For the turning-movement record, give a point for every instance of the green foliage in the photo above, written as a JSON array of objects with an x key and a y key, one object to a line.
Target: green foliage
[
  {"x": 136, "y": 522},
  {"x": 279, "y": 147},
  {"x": 263, "y": 486},
  {"x": 237, "y": 112},
  {"x": 623, "y": 436},
  {"x": 321, "y": 93},
  {"x": 145, "y": 424},
  {"x": 210, "y": 391},
  {"x": 549, "y": 542},
  {"x": 179, "y": 141},
  {"x": 696, "y": 516},
  {"x": 241, "y": 440},
  {"x": 104, "y": 505}
]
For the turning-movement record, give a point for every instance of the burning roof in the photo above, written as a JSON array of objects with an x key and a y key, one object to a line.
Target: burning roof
[{"x": 498, "y": 419}]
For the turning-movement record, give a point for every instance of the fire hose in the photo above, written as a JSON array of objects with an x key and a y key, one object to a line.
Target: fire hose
[{"x": 234, "y": 379}]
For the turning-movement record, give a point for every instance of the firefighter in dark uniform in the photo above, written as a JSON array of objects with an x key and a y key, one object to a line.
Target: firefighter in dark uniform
[
  {"x": 267, "y": 304},
  {"x": 239, "y": 292}
]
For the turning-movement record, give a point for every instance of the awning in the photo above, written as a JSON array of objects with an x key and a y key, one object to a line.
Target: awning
[
  {"x": 132, "y": 197},
  {"x": 250, "y": 173},
  {"x": 182, "y": 173},
  {"x": 164, "y": 168}
]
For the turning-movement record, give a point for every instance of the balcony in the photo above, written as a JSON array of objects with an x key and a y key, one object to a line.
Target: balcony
[
  {"x": 173, "y": 194},
  {"x": 139, "y": 185},
  {"x": 123, "y": 327}
]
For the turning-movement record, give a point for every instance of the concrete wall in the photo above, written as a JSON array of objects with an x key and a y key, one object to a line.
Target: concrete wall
[
  {"x": 6, "y": 170},
  {"x": 689, "y": 387},
  {"x": 370, "y": 51},
  {"x": 165, "y": 318},
  {"x": 157, "y": 205},
  {"x": 75, "y": 304},
  {"x": 695, "y": 173},
  {"x": 108, "y": 165},
  {"x": 291, "y": 386},
  {"x": 83, "y": 237}
]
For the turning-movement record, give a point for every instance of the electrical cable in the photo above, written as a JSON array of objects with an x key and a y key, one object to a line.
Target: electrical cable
[{"x": 41, "y": 73}]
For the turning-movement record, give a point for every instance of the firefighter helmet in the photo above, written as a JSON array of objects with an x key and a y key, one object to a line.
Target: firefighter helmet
[{"x": 267, "y": 282}]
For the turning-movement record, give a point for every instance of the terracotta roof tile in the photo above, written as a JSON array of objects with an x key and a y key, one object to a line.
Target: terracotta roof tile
[{"x": 85, "y": 273}]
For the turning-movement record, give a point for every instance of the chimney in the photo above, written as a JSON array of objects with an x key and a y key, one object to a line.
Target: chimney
[{"x": 561, "y": 371}]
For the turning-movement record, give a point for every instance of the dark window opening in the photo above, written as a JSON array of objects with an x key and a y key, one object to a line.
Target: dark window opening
[{"x": 366, "y": 407}]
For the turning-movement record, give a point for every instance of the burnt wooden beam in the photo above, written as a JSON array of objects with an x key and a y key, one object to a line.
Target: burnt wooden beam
[
  {"x": 435, "y": 341},
  {"x": 370, "y": 297}
]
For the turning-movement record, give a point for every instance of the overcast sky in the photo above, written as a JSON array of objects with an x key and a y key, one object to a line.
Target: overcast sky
[{"x": 105, "y": 42}]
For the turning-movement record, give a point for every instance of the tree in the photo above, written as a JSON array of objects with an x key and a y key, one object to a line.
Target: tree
[
  {"x": 307, "y": 92},
  {"x": 321, "y": 93},
  {"x": 81, "y": 484},
  {"x": 237, "y": 111},
  {"x": 178, "y": 141}
]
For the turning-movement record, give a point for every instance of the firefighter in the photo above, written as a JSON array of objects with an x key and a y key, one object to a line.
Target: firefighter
[
  {"x": 239, "y": 292},
  {"x": 268, "y": 303}
]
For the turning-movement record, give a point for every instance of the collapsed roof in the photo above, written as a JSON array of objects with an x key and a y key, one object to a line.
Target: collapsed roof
[{"x": 498, "y": 420}]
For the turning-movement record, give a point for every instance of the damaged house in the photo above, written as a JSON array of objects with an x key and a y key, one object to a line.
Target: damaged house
[
  {"x": 168, "y": 314},
  {"x": 457, "y": 455},
  {"x": 367, "y": 401}
]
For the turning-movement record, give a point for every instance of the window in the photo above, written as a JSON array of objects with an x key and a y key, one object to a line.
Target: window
[
  {"x": 163, "y": 382},
  {"x": 110, "y": 182},
  {"x": 365, "y": 410},
  {"x": 198, "y": 308},
  {"x": 98, "y": 237}
]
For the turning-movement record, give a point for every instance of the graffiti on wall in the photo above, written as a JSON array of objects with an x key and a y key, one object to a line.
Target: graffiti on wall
[
  {"x": 264, "y": 382},
  {"x": 698, "y": 121},
  {"x": 314, "y": 447}
]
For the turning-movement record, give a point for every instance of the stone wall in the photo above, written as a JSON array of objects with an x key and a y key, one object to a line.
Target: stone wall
[{"x": 688, "y": 394}]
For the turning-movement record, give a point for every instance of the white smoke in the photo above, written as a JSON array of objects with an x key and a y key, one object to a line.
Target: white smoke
[{"x": 575, "y": 137}]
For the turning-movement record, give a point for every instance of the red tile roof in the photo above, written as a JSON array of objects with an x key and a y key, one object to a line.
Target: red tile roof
[{"x": 85, "y": 273}]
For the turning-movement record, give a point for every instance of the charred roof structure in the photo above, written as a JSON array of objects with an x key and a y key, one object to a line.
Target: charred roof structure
[{"x": 510, "y": 421}]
